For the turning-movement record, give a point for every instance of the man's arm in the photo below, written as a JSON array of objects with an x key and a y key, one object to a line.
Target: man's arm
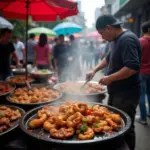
[
  {"x": 24, "y": 55},
  {"x": 23, "y": 52},
  {"x": 15, "y": 58},
  {"x": 101, "y": 65},
  {"x": 124, "y": 73},
  {"x": 131, "y": 61}
]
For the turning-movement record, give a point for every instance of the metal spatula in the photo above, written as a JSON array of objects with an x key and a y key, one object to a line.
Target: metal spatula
[{"x": 82, "y": 87}]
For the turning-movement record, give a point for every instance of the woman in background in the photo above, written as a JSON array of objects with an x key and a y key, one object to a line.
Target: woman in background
[{"x": 42, "y": 53}]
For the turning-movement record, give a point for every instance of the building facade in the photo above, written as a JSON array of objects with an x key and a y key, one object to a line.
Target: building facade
[{"x": 131, "y": 12}]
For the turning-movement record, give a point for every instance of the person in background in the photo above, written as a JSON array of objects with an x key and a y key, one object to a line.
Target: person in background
[
  {"x": 90, "y": 54},
  {"x": 123, "y": 63},
  {"x": 6, "y": 51},
  {"x": 42, "y": 57},
  {"x": 145, "y": 73},
  {"x": 74, "y": 66},
  {"x": 19, "y": 49},
  {"x": 61, "y": 55},
  {"x": 97, "y": 52},
  {"x": 102, "y": 49},
  {"x": 56, "y": 42},
  {"x": 30, "y": 48}
]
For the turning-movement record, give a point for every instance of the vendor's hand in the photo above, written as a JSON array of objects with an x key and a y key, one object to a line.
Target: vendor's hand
[
  {"x": 19, "y": 65},
  {"x": 12, "y": 67},
  {"x": 70, "y": 59},
  {"x": 90, "y": 75},
  {"x": 105, "y": 80},
  {"x": 24, "y": 61}
]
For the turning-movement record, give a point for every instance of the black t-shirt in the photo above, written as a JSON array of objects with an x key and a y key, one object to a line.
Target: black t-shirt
[
  {"x": 5, "y": 52},
  {"x": 61, "y": 54},
  {"x": 125, "y": 52}
]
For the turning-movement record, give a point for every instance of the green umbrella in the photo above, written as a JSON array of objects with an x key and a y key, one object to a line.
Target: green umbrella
[{"x": 39, "y": 30}]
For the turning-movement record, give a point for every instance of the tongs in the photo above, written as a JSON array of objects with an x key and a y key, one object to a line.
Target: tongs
[
  {"x": 28, "y": 85},
  {"x": 82, "y": 87}
]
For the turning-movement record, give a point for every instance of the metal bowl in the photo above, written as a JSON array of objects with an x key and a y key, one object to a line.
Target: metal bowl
[
  {"x": 8, "y": 135},
  {"x": 19, "y": 71},
  {"x": 29, "y": 106},
  {"x": 18, "y": 84},
  {"x": 94, "y": 97},
  {"x": 46, "y": 139},
  {"x": 11, "y": 91},
  {"x": 43, "y": 76}
]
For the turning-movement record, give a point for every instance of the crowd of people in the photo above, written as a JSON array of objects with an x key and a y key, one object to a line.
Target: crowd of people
[
  {"x": 66, "y": 58},
  {"x": 124, "y": 58}
]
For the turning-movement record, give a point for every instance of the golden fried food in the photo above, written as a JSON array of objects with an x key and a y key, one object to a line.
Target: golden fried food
[
  {"x": 62, "y": 133},
  {"x": 7, "y": 116},
  {"x": 37, "y": 95},
  {"x": 19, "y": 79},
  {"x": 88, "y": 134},
  {"x": 74, "y": 120},
  {"x": 4, "y": 88},
  {"x": 75, "y": 88},
  {"x": 80, "y": 118},
  {"x": 36, "y": 123}
]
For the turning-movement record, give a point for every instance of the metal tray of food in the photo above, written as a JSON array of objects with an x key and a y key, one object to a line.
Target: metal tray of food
[
  {"x": 81, "y": 94},
  {"x": 32, "y": 105},
  {"x": 40, "y": 135},
  {"x": 21, "y": 80},
  {"x": 8, "y": 134},
  {"x": 5, "y": 86}
]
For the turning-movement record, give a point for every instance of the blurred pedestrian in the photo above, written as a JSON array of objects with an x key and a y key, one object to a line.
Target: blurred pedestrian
[
  {"x": 30, "y": 48},
  {"x": 123, "y": 63},
  {"x": 97, "y": 52},
  {"x": 42, "y": 55},
  {"x": 19, "y": 49},
  {"x": 145, "y": 73}
]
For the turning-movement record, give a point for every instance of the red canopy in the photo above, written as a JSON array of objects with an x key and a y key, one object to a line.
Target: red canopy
[{"x": 40, "y": 10}]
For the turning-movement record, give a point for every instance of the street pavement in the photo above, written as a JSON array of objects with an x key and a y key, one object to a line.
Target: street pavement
[{"x": 142, "y": 131}]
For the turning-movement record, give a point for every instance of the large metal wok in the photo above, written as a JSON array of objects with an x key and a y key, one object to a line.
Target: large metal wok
[
  {"x": 29, "y": 106},
  {"x": 92, "y": 97},
  {"x": 9, "y": 134},
  {"x": 18, "y": 84},
  {"x": 9, "y": 92},
  {"x": 42, "y": 137}
]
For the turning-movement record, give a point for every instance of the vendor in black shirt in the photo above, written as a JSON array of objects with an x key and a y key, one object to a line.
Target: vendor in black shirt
[
  {"x": 123, "y": 63},
  {"x": 6, "y": 51}
]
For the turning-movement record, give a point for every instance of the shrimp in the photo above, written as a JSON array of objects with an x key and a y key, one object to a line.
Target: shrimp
[
  {"x": 88, "y": 134},
  {"x": 79, "y": 107},
  {"x": 112, "y": 123},
  {"x": 69, "y": 111},
  {"x": 61, "y": 133},
  {"x": 60, "y": 120},
  {"x": 99, "y": 127},
  {"x": 36, "y": 123},
  {"x": 107, "y": 129},
  {"x": 96, "y": 107},
  {"x": 116, "y": 118},
  {"x": 90, "y": 119},
  {"x": 75, "y": 119},
  {"x": 50, "y": 123}
]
